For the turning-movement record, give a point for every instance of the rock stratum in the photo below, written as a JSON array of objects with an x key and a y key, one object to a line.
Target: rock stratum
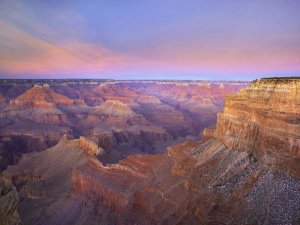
[
  {"x": 264, "y": 120},
  {"x": 122, "y": 117},
  {"x": 244, "y": 171}
]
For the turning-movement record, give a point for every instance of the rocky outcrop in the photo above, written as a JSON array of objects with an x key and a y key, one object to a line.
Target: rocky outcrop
[
  {"x": 38, "y": 104},
  {"x": 226, "y": 179},
  {"x": 142, "y": 137},
  {"x": 43, "y": 179},
  {"x": 3, "y": 101},
  {"x": 41, "y": 104},
  {"x": 196, "y": 102},
  {"x": 181, "y": 187},
  {"x": 116, "y": 108},
  {"x": 208, "y": 133},
  {"x": 25, "y": 137},
  {"x": 34, "y": 114},
  {"x": 9, "y": 201},
  {"x": 90, "y": 146},
  {"x": 117, "y": 113},
  {"x": 264, "y": 120}
]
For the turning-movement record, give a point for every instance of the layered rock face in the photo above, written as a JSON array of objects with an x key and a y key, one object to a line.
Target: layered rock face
[
  {"x": 200, "y": 101},
  {"x": 119, "y": 114},
  {"x": 35, "y": 114},
  {"x": 90, "y": 146},
  {"x": 218, "y": 181},
  {"x": 24, "y": 137},
  {"x": 43, "y": 179},
  {"x": 39, "y": 104},
  {"x": 264, "y": 120},
  {"x": 184, "y": 189}
]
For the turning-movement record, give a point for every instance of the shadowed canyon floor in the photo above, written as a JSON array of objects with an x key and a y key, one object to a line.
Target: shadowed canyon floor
[{"x": 243, "y": 171}]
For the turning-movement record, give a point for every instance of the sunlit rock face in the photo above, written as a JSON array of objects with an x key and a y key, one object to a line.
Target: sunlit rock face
[
  {"x": 90, "y": 146},
  {"x": 39, "y": 104},
  {"x": 216, "y": 181},
  {"x": 264, "y": 120}
]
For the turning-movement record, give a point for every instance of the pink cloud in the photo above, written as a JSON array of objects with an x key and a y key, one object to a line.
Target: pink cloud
[{"x": 21, "y": 52}]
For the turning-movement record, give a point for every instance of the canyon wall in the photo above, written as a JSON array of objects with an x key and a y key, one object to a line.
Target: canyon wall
[
  {"x": 243, "y": 172},
  {"x": 43, "y": 179},
  {"x": 246, "y": 171},
  {"x": 264, "y": 120},
  {"x": 9, "y": 201},
  {"x": 35, "y": 114}
]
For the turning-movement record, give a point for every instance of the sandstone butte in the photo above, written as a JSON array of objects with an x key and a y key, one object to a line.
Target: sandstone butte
[{"x": 245, "y": 172}]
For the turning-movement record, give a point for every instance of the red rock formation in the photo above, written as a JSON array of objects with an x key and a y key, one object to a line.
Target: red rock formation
[
  {"x": 264, "y": 119},
  {"x": 118, "y": 113},
  {"x": 208, "y": 133},
  {"x": 198, "y": 102},
  {"x": 86, "y": 107},
  {"x": 24, "y": 137},
  {"x": 143, "y": 137},
  {"x": 216, "y": 181},
  {"x": 90, "y": 146},
  {"x": 39, "y": 104},
  {"x": 44, "y": 178},
  {"x": 206, "y": 183}
]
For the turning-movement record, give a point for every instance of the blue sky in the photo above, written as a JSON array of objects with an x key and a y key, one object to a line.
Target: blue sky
[{"x": 164, "y": 39}]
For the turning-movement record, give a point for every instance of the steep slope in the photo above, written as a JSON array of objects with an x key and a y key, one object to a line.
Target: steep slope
[
  {"x": 118, "y": 113},
  {"x": 192, "y": 184},
  {"x": 115, "y": 123},
  {"x": 39, "y": 104},
  {"x": 33, "y": 121},
  {"x": 264, "y": 119},
  {"x": 9, "y": 201},
  {"x": 221, "y": 180},
  {"x": 143, "y": 137},
  {"x": 2, "y": 101},
  {"x": 144, "y": 115},
  {"x": 198, "y": 101},
  {"x": 24, "y": 137},
  {"x": 44, "y": 179},
  {"x": 150, "y": 107},
  {"x": 218, "y": 181}
]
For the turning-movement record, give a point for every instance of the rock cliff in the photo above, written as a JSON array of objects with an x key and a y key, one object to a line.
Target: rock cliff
[
  {"x": 43, "y": 179},
  {"x": 234, "y": 176},
  {"x": 264, "y": 120},
  {"x": 35, "y": 114},
  {"x": 39, "y": 104},
  {"x": 90, "y": 146},
  {"x": 247, "y": 173},
  {"x": 9, "y": 201}
]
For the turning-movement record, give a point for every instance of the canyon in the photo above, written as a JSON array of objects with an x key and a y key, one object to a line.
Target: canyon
[
  {"x": 146, "y": 152},
  {"x": 122, "y": 117}
]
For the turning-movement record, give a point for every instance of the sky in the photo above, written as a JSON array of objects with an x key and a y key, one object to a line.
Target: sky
[{"x": 149, "y": 39}]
